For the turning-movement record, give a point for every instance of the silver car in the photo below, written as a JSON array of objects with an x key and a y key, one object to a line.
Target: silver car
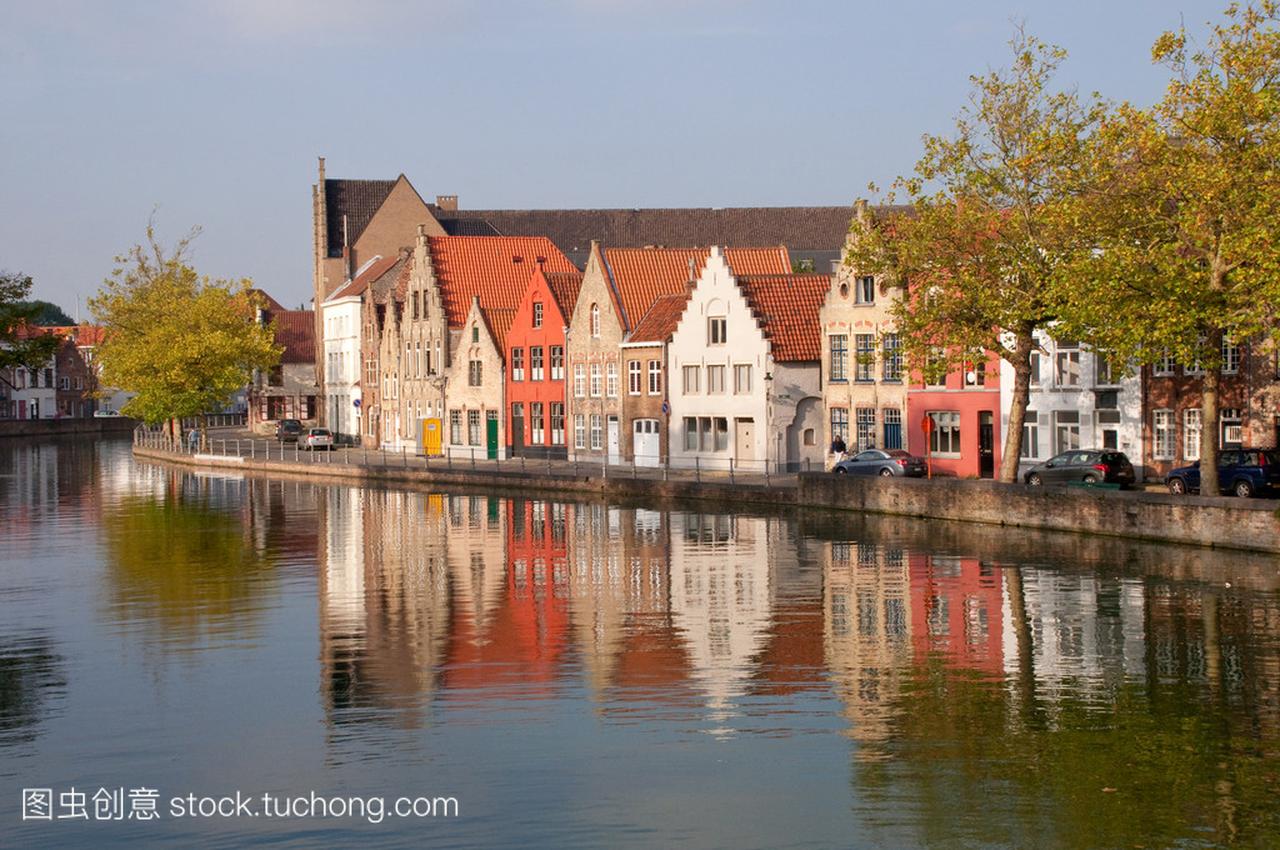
[{"x": 882, "y": 462}]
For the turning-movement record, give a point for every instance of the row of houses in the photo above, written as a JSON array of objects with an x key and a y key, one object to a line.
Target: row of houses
[
  {"x": 65, "y": 387},
  {"x": 511, "y": 333}
]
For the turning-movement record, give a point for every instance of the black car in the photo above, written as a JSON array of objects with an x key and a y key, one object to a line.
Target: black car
[
  {"x": 1089, "y": 466},
  {"x": 288, "y": 430},
  {"x": 882, "y": 462}
]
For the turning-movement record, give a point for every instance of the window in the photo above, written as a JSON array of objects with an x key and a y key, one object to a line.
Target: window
[
  {"x": 1232, "y": 426},
  {"x": 517, "y": 364},
  {"x": 717, "y": 330},
  {"x": 944, "y": 438},
  {"x": 742, "y": 379},
  {"x": 595, "y": 320},
  {"x": 892, "y": 428},
  {"x": 975, "y": 374},
  {"x": 655, "y": 377},
  {"x": 579, "y": 380},
  {"x": 1035, "y": 368},
  {"x": 721, "y": 426},
  {"x": 838, "y": 344},
  {"x": 1164, "y": 366},
  {"x": 474, "y": 375},
  {"x": 579, "y": 431},
  {"x": 715, "y": 380},
  {"x": 865, "y": 419},
  {"x": 415, "y": 305},
  {"x": 839, "y": 423},
  {"x": 865, "y": 291},
  {"x": 557, "y": 423},
  {"x": 1066, "y": 430},
  {"x": 935, "y": 369},
  {"x": 633, "y": 377},
  {"x": 691, "y": 376},
  {"x": 1030, "y": 435},
  {"x": 455, "y": 427},
  {"x": 595, "y": 380},
  {"x": 1191, "y": 433},
  {"x": 1067, "y": 365},
  {"x": 475, "y": 333},
  {"x": 538, "y": 434},
  {"x": 64, "y": 383},
  {"x": 557, "y": 362},
  {"x": 864, "y": 368},
  {"x": 1230, "y": 357},
  {"x": 1163, "y": 426},
  {"x": 473, "y": 427},
  {"x": 597, "y": 432},
  {"x": 611, "y": 379},
  {"x": 537, "y": 315},
  {"x": 535, "y": 363},
  {"x": 892, "y": 358},
  {"x": 691, "y": 433}
]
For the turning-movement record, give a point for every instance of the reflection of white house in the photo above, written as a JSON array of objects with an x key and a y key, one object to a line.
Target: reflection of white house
[
  {"x": 1086, "y": 631},
  {"x": 342, "y": 365},
  {"x": 1078, "y": 401},
  {"x": 744, "y": 366},
  {"x": 342, "y": 589},
  {"x": 721, "y": 599}
]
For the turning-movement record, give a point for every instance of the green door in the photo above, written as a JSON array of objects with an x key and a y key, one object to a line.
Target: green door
[{"x": 491, "y": 427}]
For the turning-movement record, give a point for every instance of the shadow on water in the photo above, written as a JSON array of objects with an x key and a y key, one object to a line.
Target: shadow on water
[{"x": 32, "y": 682}]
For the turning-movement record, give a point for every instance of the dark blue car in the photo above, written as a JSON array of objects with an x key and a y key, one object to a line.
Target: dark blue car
[{"x": 1241, "y": 472}]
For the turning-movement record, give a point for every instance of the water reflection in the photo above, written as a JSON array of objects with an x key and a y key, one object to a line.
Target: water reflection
[{"x": 617, "y": 674}]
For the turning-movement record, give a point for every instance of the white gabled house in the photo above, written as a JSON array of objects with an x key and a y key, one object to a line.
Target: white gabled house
[{"x": 745, "y": 371}]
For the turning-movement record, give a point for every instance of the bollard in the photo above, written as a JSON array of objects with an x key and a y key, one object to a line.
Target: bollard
[
  {"x": 633, "y": 467},
  {"x": 730, "y": 470},
  {"x": 473, "y": 457},
  {"x": 697, "y": 469}
]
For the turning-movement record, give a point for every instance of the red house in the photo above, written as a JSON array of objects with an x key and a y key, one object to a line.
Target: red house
[
  {"x": 963, "y": 410},
  {"x": 535, "y": 385}
]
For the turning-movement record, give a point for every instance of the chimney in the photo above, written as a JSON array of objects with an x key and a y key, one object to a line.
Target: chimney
[
  {"x": 860, "y": 210},
  {"x": 448, "y": 203},
  {"x": 693, "y": 271},
  {"x": 321, "y": 173}
]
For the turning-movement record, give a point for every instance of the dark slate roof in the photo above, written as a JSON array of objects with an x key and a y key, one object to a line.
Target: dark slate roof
[
  {"x": 358, "y": 200},
  {"x": 798, "y": 228}
]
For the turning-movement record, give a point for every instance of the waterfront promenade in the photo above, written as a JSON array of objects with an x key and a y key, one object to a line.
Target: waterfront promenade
[{"x": 1218, "y": 522}]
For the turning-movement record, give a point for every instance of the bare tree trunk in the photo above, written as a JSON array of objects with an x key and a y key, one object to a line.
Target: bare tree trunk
[
  {"x": 1020, "y": 359},
  {"x": 1209, "y": 430}
]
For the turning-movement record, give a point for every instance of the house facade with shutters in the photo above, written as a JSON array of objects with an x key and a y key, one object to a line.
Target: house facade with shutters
[
  {"x": 747, "y": 357},
  {"x": 1078, "y": 400},
  {"x": 864, "y": 375},
  {"x": 537, "y": 420}
]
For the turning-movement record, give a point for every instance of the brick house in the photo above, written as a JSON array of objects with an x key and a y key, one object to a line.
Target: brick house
[
  {"x": 289, "y": 390},
  {"x": 1247, "y": 405},
  {"x": 378, "y": 307},
  {"x": 75, "y": 380},
  {"x": 645, "y": 400},
  {"x": 535, "y": 379}
]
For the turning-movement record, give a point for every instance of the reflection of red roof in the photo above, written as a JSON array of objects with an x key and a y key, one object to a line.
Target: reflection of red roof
[
  {"x": 660, "y": 322},
  {"x": 295, "y": 330},
  {"x": 786, "y": 306},
  {"x": 497, "y": 268},
  {"x": 794, "y": 658},
  {"x": 641, "y": 275}
]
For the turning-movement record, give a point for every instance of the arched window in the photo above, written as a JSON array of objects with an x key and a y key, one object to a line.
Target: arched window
[{"x": 595, "y": 320}]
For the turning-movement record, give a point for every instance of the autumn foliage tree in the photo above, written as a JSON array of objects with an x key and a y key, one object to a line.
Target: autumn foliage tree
[
  {"x": 979, "y": 255},
  {"x": 20, "y": 342},
  {"x": 1183, "y": 214},
  {"x": 182, "y": 342}
]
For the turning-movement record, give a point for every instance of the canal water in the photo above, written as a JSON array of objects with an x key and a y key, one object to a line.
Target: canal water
[{"x": 590, "y": 675}]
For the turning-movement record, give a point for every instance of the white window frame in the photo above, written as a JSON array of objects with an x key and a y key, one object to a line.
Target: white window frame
[
  {"x": 1164, "y": 434},
  {"x": 655, "y": 377},
  {"x": 635, "y": 378}
]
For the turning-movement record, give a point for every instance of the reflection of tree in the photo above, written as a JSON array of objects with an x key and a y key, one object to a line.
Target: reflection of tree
[
  {"x": 177, "y": 564},
  {"x": 30, "y": 674}
]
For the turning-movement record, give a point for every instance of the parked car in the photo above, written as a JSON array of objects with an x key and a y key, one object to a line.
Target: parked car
[
  {"x": 288, "y": 430},
  {"x": 1241, "y": 472},
  {"x": 882, "y": 462},
  {"x": 1088, "y": 466},
  {"x": 105, "y": 414},
  {"x": 318, "y": 438}
]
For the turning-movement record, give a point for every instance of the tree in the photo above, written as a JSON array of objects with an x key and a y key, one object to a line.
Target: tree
[
  {"x": 182, "y": 342},
  {"x": 21, "y": 343},
  {"x": 1184, "y": 210},
  {"x": 48, "y": 314},
  {"x": 979, "y": 257}
]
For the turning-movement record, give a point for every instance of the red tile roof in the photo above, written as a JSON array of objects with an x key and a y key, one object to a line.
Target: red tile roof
[
  {"x": 565, "y": 287},
  {"x": 497, "y": 268},
  {"x": 643, "y": 274},
  {"x": 499, "y": 320},
  {"x": 786, "y": 306},
  {"x": 295, "y": 330},
  {"x": 660, "y": 322}
]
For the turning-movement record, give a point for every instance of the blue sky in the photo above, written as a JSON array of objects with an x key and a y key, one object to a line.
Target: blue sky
[{"x": 214, "y": 112}]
